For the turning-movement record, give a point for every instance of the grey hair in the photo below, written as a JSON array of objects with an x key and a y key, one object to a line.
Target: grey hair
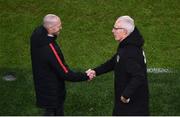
[
  {"x": 127, "y": 23},
  {"x": 49, "y": 20}
]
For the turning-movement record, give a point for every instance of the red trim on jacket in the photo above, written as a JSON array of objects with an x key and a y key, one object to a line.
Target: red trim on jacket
[{"x": 58, "y": 58}]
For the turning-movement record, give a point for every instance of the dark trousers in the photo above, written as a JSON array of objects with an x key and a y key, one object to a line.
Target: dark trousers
[
  {"x": 118, "y": 112},
  {"x": 54, "y": 111}
]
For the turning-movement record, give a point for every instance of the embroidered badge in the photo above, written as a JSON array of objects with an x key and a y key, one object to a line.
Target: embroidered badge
[{"x": 117, "y": 58}]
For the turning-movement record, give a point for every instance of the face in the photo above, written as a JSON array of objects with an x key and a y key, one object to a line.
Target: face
[
  {"x": 119, "y": 32},
  {"x": 55, "y": 29}
]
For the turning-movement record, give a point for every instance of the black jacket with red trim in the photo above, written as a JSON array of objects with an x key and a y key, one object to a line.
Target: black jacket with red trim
[
  {"x": 50, "y": 70},
  {"x": 130, "y": 73}
]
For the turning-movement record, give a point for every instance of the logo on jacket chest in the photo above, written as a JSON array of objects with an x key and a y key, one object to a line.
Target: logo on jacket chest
[{"x": 117, "y": 58}]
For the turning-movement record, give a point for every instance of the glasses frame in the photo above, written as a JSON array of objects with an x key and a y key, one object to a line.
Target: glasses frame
[{"x": 118, "y": 28}]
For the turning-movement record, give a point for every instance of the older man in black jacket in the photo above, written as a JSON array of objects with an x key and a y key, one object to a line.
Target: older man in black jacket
[
  {"x": 49, "y": 67},
  {"x": 129, "y": 65}
]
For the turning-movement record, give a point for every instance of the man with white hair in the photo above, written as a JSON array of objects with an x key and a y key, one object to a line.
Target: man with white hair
[
  {"x": 130, "y": 71},
  {"x": 49, "y": 67}
]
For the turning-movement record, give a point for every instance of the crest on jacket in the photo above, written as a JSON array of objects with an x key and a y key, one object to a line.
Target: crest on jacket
[{"x": 117, "y": 58}]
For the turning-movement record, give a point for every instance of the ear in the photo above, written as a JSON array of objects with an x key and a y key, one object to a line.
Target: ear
[{"x": 125, "y": 32}]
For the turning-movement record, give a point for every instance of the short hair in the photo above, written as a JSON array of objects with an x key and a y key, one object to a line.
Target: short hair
[
  {"x": 127, "y": 23},
  {"x": 49, "y": 20}
]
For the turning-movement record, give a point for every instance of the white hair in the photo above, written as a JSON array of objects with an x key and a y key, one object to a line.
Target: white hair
[
  {"x": 127, "y": 23},
  {"x": 49, "y": 20}
]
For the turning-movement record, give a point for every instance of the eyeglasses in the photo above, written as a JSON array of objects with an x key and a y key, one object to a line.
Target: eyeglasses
[{"x": 117, "y": 28}]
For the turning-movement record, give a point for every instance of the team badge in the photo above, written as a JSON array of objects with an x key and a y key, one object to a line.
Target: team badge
[{"x": 117, "y": 58}]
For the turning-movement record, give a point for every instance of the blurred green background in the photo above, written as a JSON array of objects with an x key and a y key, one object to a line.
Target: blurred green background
[{"x": 87, "y": 41}]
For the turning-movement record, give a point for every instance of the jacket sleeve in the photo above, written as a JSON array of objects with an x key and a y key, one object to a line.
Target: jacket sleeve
[
  {"x": 106, "y": 67},
  {"x": 137, "y": 74},
  {"x": 61, "y": 68}
]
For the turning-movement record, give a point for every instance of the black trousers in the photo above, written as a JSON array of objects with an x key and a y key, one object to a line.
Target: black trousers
[
  {"x": 117, "y": 112},
  {"x": 59, "y": 111}
]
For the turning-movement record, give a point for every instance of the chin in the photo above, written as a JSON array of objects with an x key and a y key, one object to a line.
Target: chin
[
  {"x": 116, "y": 39},
  {"x": 56, "y": 34}
]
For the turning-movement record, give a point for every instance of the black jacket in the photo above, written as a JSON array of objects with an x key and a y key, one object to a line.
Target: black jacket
[
  {"x": 130, "y": 71},
  {"x": 50, "y": 70}
]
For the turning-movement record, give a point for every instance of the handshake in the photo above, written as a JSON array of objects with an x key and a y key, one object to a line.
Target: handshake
[{"x": 91, "y": 74}]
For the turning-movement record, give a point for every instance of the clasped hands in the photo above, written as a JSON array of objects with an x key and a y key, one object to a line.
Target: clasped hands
[{"x": 91, "y": 74}]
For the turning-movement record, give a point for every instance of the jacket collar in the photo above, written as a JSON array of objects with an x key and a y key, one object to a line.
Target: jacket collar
[
  {"x": 42, "y": 37},
  {"x": 134, "y": 39}
]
